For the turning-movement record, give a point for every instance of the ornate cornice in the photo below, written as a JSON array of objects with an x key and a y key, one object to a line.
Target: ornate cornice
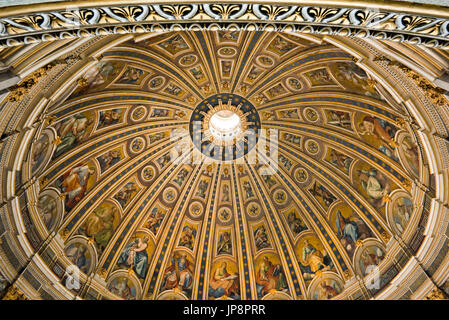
[{"x": 394, "y": 21}]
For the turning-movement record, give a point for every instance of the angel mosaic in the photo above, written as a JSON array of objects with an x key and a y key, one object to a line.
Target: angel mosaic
[
  {"x": 350, "y": 229},
  {"x": 79, "y": 255},
  {"x": 339, "y": 118},
  {"x": 47, "y": 209},
  {"x": 154, "y": 220},
  {"x": 324, "y": 196},
  {"x": 174, "y": 44},
  {"x": 181, "y": 176},
  {"x": 261, "y": 238},
  {"x": 131, "y": 76},
  {"x": 339, "y": 160},
  {"x": 312, "y": 259}
]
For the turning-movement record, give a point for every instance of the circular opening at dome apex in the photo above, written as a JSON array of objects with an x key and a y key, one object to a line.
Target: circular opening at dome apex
[{"x": 225, "y": 125}]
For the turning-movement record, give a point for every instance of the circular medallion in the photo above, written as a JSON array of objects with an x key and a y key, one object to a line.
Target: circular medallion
[
  {"x": 253, "y": 209},
  {"x": 170, "y": 194},
  {"x": 148, "y": 173},
  {"x": 294, "y": 84},
  {"x": 301, "y": 175},
  {"x": 156, "y": 82},
  {"x": 224, "y": 215},
  {"x": 265, "y": 61},
  {"x": 139, "y": 113},
  {"x": 196, "y": 209},
  {"x": 312, "y": 147},
  {"x": 188, "y": 60},
  {"x": 224, "y": 127},
  {"x": 227, "y": 52},
  {"x": 311, "y": 115},
  {"x": 137, "y": 145},
  {"x": 280, "y": 196}
]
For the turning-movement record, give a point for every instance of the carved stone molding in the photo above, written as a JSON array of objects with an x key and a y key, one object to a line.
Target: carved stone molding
[
  {"x": 433, "y": 93},
  {"x": 425, "y": 28}
]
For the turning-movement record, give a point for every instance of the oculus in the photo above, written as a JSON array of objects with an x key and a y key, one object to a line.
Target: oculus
[{"x": 224, "y": 127}]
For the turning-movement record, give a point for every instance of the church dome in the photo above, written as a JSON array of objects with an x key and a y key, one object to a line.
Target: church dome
[{"x": 289, "y": 165}]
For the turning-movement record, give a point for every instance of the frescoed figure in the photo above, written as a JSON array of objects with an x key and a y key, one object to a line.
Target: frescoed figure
[
  {"x": 224, "y": 245},
  {"x": 181, "y": 176},
  {"x": 320, "y": 77},
  {"x": 39, "y": 152},
  {"x": 174, "y": 44},
  {"x": 261, "y": 238},
  {"x": 326, "y": 289},
  {"x": 99, "y": 74},
  {"x": 295, "y": 224},
  {"x": 131, "y": 76},
  {"x": 340, "y": 160},
  {"x": 292, "y": 138},
  {"x": 320, "y": 192},
  {"x": 202, "y": 188},
  {"x": 73, "y": 184},
  {"x": 79, "y": 255},
  {"x": 71, "y": 132},
  {"x": 228, "y": 35},
  {"x": 100, "y": 225},
  {"x": 380, "y": 134},
  {"x": 312, "y": 258},
  {"x": 411, "y": 154},
  {"x": 402, "y": 211},
  {"x": 269, "y": 277},
  {"x": 355, "y": 78},
  {"x": 350, "y": 229},
  {"x": 376, "y": 186},
  {"x": 370, "y": 258},
  {"x": 109, "y": 117},
  {"x": 280, "y": 45},
  {"x": 47, "y": 210},
  {"x": 125, "y": 194},
  {"x": 248, "y": 190},
  {"x": 135, "y": 256},
  {"x": 123, "y": 288},
  {"x": 109, "y": 159},
  {"x": 154, "y": 220},
  {"x": 178, "y": 274},
  {"x": 339, "y": 118},
  {"x": 224, "y": 283},
  {"x": 187, "y": 237}
]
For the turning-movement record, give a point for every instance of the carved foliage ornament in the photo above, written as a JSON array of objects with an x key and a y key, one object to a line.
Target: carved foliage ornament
[
  {"x": 433, "y": 93},
  {"x": 361, "y": 22},
  {"x": 19, "y": 91}
]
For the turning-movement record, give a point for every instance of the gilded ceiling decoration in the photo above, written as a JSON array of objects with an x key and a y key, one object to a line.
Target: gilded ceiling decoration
[
  {"x": 221, "y": 164},
  {"x": 397, "y": 22}
]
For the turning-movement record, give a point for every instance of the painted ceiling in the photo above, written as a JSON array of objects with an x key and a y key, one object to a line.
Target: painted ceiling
[{"x": 118, "y": 189}]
